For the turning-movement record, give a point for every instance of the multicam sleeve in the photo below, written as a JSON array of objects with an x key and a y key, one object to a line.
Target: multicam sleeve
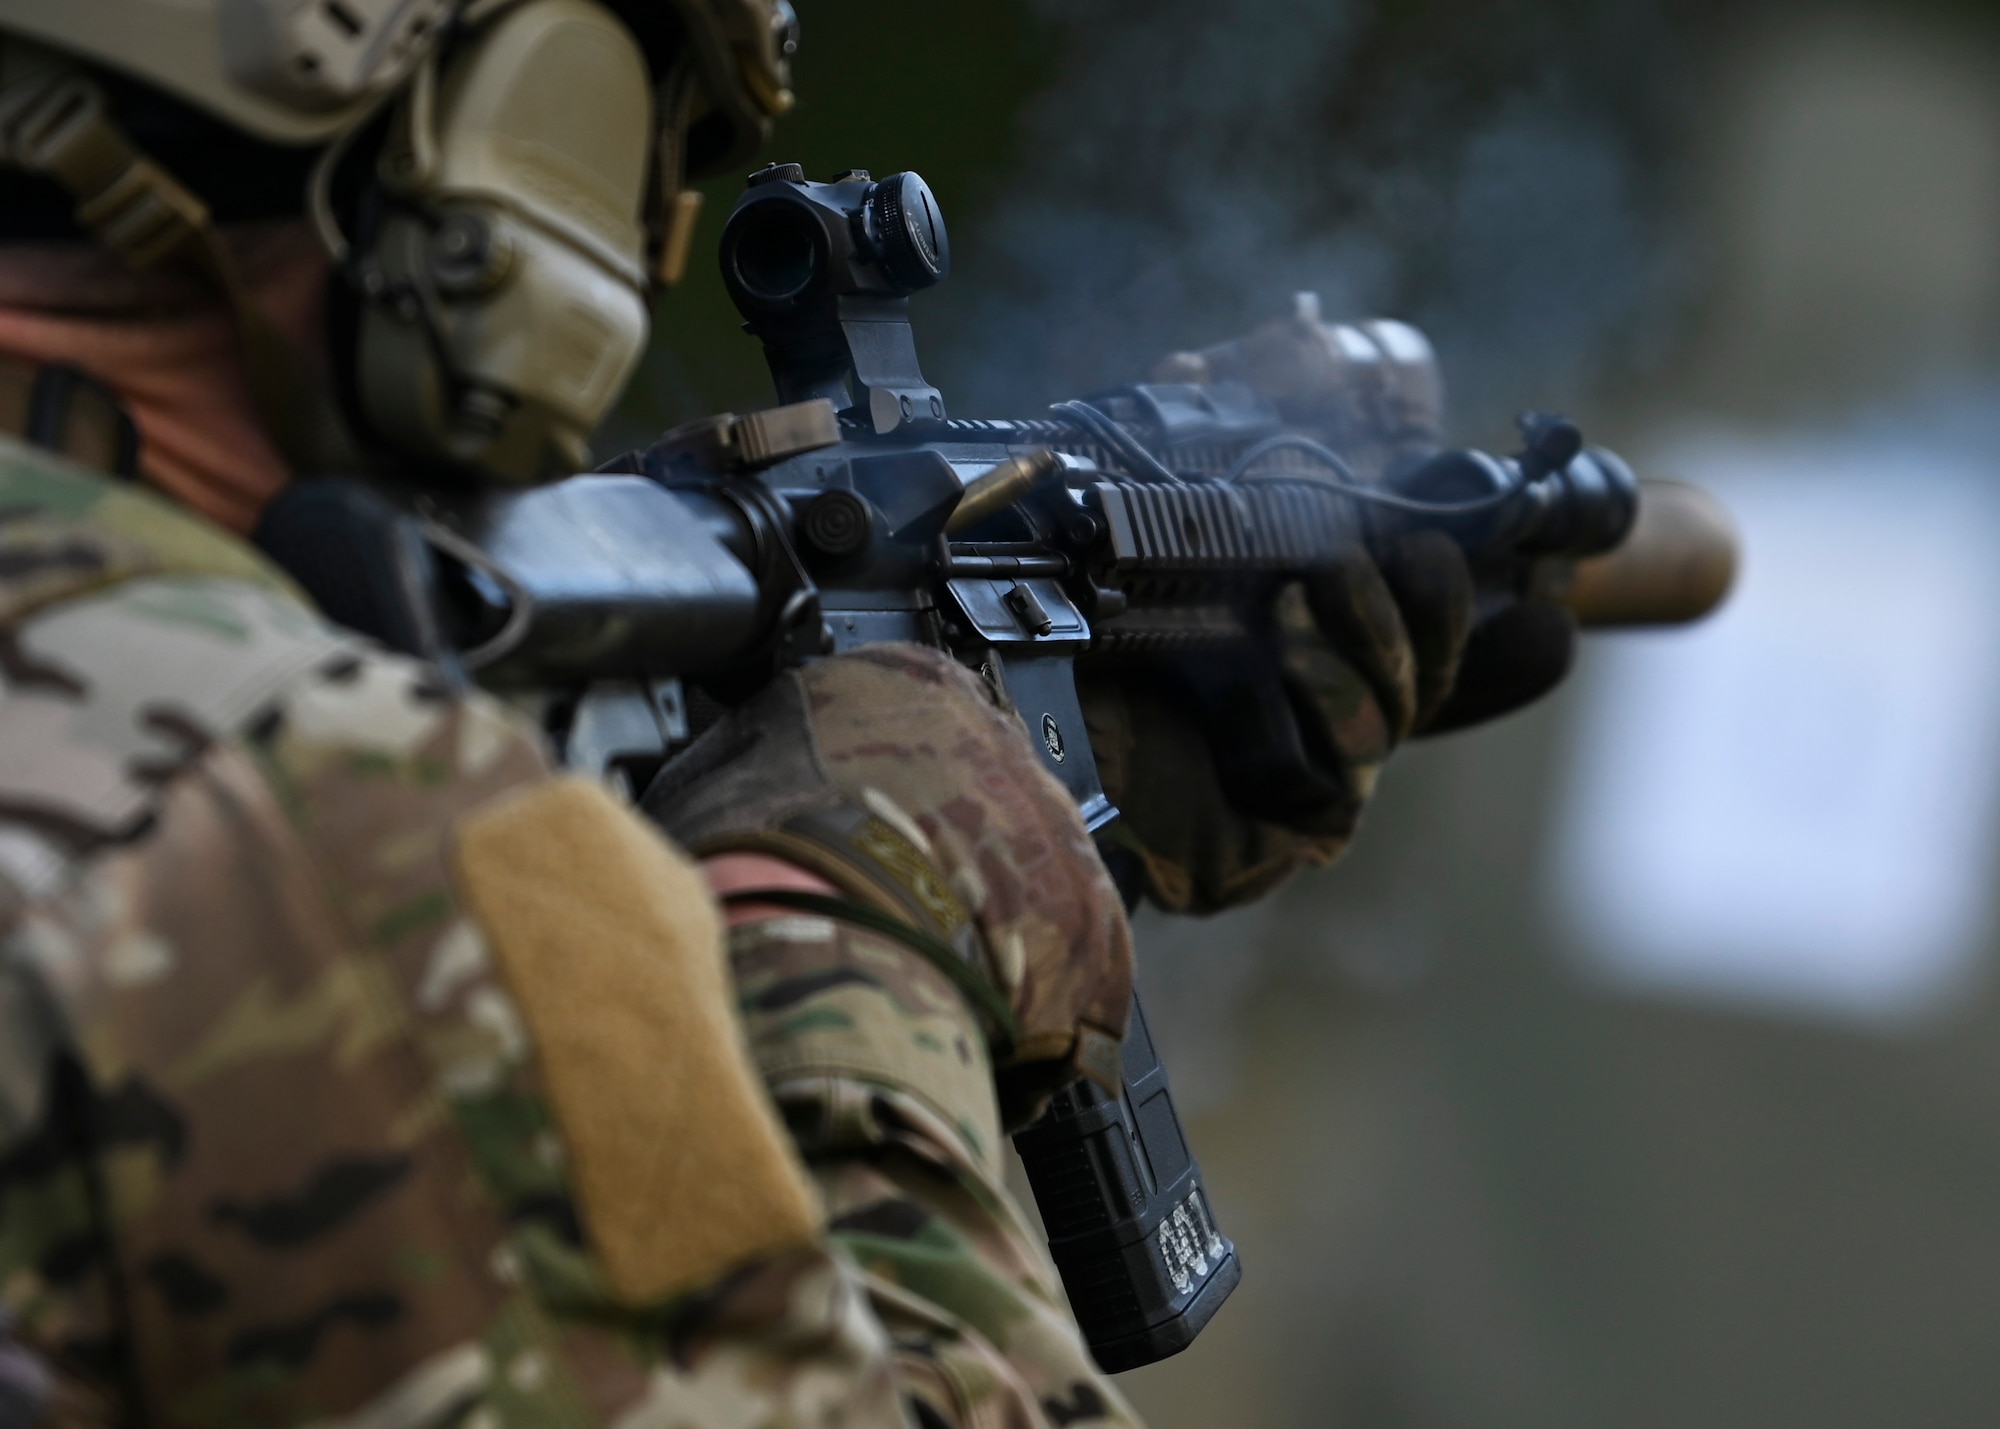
[
  {"x": 300, "y": 1164},
  {"x": 881, "y": 1071},
  {"x": 304, "y": 1169},
  {"x": 45, "y": 1213}
]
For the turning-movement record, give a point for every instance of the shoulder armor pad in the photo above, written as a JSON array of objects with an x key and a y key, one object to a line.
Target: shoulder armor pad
[
  {"x": 65, "y": 531},
  {"x": 105, "y": 696}
]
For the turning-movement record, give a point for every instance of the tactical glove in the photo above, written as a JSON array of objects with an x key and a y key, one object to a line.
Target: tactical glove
[
  {"x": 904, "y": 781},
  {"x": 1233, "y": 773}
]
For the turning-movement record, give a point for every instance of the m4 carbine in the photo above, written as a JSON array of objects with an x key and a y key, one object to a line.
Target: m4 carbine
[{"x": 1152, "y": 522}]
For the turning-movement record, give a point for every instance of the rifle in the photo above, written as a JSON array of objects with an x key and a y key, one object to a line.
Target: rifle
[{"x": 1155, "y": 521}]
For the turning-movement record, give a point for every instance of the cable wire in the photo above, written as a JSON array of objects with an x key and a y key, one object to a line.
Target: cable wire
[
  {"x": 1107, "y": 429},
  {"x": 1103, "y": 426},
  {"x": 1350, "y": 485}
]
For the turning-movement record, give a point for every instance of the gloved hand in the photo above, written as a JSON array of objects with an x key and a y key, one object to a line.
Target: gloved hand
[
  {"x": 904, "y": 781},
  {"x": 1233, "y": 773}
]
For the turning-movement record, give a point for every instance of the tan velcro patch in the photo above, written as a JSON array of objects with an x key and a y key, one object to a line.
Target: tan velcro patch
[{"x": 609, "y": 941}]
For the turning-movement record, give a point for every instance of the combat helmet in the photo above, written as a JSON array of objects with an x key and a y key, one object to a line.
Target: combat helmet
[{"x": 501, "y": 182}]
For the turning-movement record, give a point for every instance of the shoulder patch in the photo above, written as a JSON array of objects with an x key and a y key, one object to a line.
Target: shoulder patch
[{"x": 609, "y": 942}]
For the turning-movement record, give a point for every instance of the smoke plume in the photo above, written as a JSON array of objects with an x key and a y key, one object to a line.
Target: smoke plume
[{"x": 1194, "y": 162}]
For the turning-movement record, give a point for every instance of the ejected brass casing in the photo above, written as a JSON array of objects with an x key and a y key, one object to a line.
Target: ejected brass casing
[{"x": 1001, "y": 487}]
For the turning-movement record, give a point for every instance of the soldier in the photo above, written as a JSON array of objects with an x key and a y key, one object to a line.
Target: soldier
[{"x": 356, "y": 1066}]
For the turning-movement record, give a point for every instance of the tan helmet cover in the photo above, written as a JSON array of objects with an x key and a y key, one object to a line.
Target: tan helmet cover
[
  {"x": 290, "y": 71},
  {"x": 306, "y": 71}
]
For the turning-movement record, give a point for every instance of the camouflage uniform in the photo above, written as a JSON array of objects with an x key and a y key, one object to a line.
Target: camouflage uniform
[
  {"x": 275, "y": 1144},
  {"x": 904, "y": 781}
]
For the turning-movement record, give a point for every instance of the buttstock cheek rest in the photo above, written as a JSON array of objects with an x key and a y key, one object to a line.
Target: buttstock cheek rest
[{"x": 1676, "y": 567}]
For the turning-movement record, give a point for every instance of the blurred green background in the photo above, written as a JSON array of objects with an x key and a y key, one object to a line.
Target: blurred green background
[
  {"x": 1487, "y": 1164},
  {"x": 882, "y": 86}
]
